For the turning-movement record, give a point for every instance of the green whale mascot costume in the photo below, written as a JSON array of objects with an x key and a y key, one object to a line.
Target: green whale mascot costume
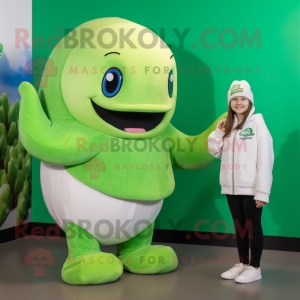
[{"x": 101, "y": 127}]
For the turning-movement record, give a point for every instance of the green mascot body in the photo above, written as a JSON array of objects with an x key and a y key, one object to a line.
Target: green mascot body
[{"x": 101, "y": 127}]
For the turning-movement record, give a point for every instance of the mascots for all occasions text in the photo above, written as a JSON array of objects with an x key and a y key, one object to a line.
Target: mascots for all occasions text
[{"x": 101, "y": 128}]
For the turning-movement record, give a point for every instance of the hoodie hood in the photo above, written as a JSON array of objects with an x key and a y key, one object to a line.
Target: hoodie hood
[{"x": 250, "y": 117}]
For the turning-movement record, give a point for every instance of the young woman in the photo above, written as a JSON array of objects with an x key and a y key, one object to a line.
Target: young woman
[{"x": 245, "y": 146}]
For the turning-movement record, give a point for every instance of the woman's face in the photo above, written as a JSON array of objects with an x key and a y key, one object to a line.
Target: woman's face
[{"x": 239, "y": 104}]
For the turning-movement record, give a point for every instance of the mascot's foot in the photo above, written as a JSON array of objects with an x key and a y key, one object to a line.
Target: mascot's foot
[
  {"x": 138, "y": 256},
  {"x": 86, "y": 264},
  {"x": 150, "y": 260},
  {"x": 91, "y": 268}
]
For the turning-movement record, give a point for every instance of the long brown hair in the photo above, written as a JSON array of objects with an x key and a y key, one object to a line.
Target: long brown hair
[{"x": 230, "y": 119}]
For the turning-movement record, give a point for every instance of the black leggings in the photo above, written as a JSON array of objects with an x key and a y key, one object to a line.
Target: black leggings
[{"x": 247, "y": 224}]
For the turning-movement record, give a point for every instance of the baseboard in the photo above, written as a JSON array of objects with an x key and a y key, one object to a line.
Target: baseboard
[
  {"x": 160, "y": 235},
  {"x": 220, "y": 239},
  {"x": 13, "y": 233}
]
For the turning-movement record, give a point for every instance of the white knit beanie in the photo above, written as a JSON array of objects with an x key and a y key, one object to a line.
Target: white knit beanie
[{"x": 240, "y": 88}]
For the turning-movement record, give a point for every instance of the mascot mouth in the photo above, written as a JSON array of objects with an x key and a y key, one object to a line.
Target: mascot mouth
[{"x": 129, "y": 121}]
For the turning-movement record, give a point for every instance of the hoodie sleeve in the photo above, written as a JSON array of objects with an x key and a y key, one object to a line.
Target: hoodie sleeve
[
  {"x": 264, "y": 164},
  {"x": 215, "y": 143}
]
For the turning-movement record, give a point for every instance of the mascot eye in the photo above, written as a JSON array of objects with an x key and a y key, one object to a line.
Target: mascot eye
[
  {"x": 112, "y": 82},
  {"x": 170, "y": 84}
]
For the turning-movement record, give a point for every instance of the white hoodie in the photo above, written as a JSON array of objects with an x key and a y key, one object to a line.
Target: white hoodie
[{"x": 247, "y": 158}]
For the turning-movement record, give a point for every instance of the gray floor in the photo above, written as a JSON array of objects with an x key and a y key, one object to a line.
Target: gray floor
[{"x": 191, "y": 280}]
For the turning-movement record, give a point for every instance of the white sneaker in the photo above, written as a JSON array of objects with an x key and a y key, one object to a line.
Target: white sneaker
[
  {"x": 248, "y": 275},
  {"x": 235, "y": 271}
]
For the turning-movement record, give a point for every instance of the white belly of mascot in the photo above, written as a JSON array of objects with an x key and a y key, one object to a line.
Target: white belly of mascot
[{"x": 110, "y": 220}]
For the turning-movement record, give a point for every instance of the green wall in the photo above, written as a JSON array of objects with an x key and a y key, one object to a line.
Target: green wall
[{"x": 203, "y": 97}]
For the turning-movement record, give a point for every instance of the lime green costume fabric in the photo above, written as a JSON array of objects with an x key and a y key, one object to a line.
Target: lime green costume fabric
[
  {"x": 139, "y": 256},
  {"x": 58, "y": 143},
  {"x": 147, "y": 174},
  {"x": 60, "y": 125},
  {"x": 86, "y": 264}
]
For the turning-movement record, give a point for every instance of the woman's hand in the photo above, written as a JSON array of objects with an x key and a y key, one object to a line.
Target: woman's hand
[
  {"x": 220, "y": 126},
  {"x": 260, "y": 203}
]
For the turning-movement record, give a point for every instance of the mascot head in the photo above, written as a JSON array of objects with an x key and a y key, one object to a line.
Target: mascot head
[{"x": 113, "y": 76}]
